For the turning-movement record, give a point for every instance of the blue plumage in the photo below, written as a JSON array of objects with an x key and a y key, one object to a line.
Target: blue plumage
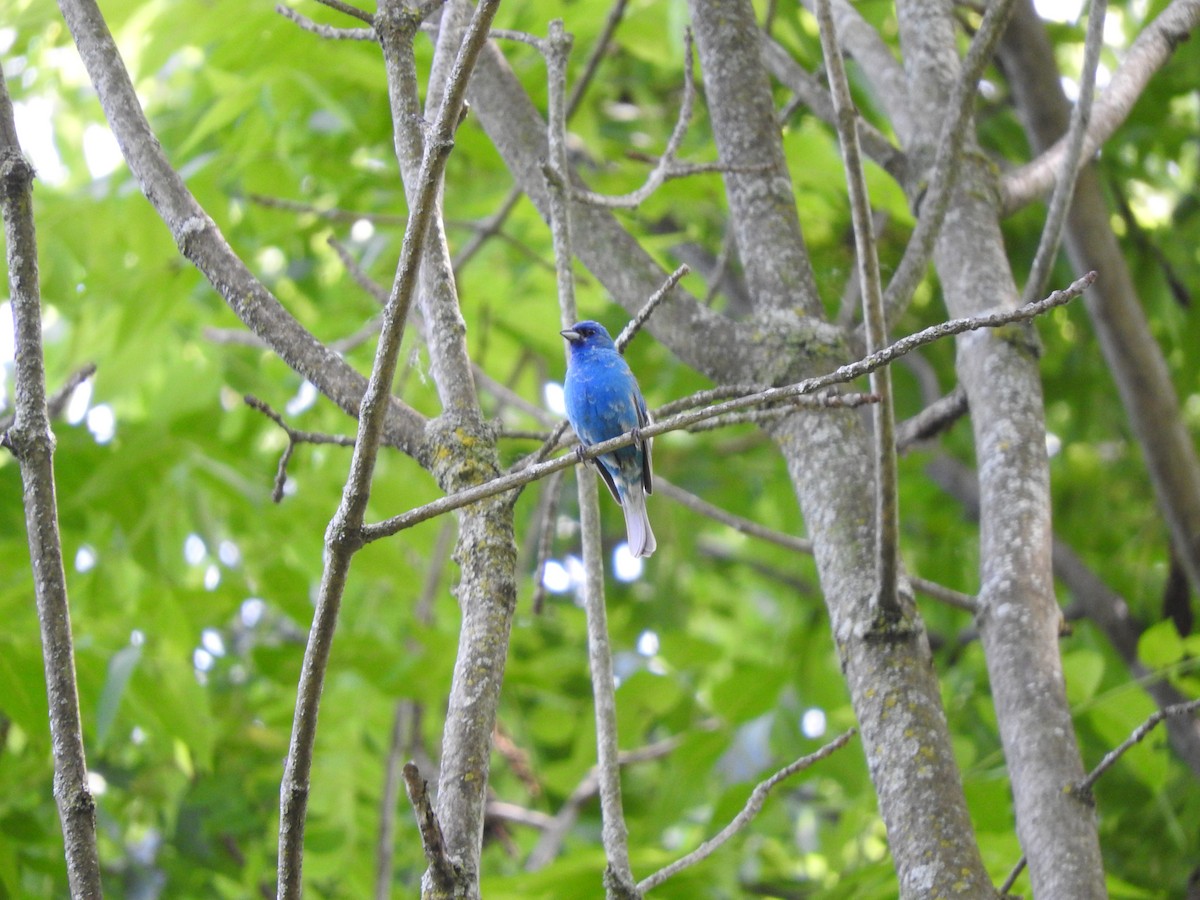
[{"x": 603, "y": 402}]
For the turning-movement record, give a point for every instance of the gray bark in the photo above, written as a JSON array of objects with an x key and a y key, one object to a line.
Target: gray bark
[
  {"x": 32, "y": 443},
  {"x": 1019, "y": 617},
  {"x": 1133, "y": 356}
]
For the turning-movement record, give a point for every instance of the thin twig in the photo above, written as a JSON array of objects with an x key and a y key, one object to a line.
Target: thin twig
[
  {"x": 1012, "y": 877},
  {"x": 555, "y": 833},
  {"x": 201, "y": 241},
  {"x": 1084, "y": 786},
  {"x": 57, "y": 402},
  {"x": 1151, "y": 50},
  {"x": 841, "y": 375},
  {"x": 384, "y": 852},
  {"x": 752, "y": 808},
  {"x": 494, "y": 223},
  {"x": 659, "y": 173},
  {"x": 933, "y": 419},
  {"x": 489, "y": 228},
  {"x": 810, "y": 92},
  {"x": 828, "y": 400},
  {"x": 584, "y": 80},
  {"x": 887, "y": 504},
  {"x": 547, "y": 522},
  {"x": 936, "y": 201},
  {"x": 618, "y": 875},
  {"x": 635, "y": 324},
  {"x": 295, "y": 436},
  {"x": 716, "y": 275},
  {"x": 352, "y": 11},
  {"x": 519, "y": 815},
  {"x": 329, "y": 32},
  {"x": 751, "y": 528},
  {"x": 329, "y": 214},
  {"x": 432, "y": 840},
  {"x": 1138, "y": 735},
  {"x": 1064, "y": 190}
]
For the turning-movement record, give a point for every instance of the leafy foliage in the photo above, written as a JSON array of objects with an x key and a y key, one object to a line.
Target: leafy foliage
[{"x": 191, "y": 591}]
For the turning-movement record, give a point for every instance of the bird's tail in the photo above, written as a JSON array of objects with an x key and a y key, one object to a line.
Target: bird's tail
[{"x": 637, "y": 522}]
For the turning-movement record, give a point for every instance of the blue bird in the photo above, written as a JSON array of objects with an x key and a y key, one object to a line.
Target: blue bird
[{"x": 604, "y": 402}]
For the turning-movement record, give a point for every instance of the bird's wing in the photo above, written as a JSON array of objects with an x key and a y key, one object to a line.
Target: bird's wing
[{"x": 643, "y": 421}]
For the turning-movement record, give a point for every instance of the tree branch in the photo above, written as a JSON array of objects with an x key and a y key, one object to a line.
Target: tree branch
[
  {"x": 752, "y": 808},
  {"x": 294, "y": 436},
  {"x": 32, "y": 442},
  {"x": 840, "y": 375},
  {"x": 887, "y": 504},
  {"x": 344, "y": 537},
  {"x": 1117, "y": 314},
  {"x": 618, "y": 877},
  {"x": 1064, "y": 189},
  {"x": 1148, "y": 53},
  {"x": 1084, "y": 786},
  {"x": 200, "y": 240},
  {"x": 444, "y": 872},
  {"x": 933, "y": 200}
]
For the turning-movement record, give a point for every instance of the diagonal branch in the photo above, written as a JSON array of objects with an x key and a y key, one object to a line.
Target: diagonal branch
[
  {"x": 752, "y": 808},
  {"x": 343, "y": 537},
  {"x": 1148, "y": 53},
  {"x": 201, "y": 241},
  {"x": 840, "y": 375},
  {"x": 1064, "y": 190},
  {"x": 935, "y": 200}
]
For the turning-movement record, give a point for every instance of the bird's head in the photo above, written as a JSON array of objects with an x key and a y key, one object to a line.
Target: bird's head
[{"x": 590, "y": 335}]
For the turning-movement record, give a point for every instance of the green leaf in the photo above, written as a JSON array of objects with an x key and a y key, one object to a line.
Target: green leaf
[
  {"x": 1083, "y": 670},
  {"x": 1161, "y": 646},
  {"x": 120, "y": 668}
]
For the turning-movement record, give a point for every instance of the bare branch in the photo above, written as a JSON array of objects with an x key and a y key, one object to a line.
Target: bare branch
[
  {"x": 1064, "y": 190},
  {"x": 752, "y": 808},
  {"x": 811, "y": 93},
  {"x": 295, "y": 436},
  {"x": 432, "y": 841},
  {"x": 546, "y": 520},
  {"x": 848, "y": 372},
  {"x": 329, "y": 32},
  {"x": 1084, "y": 787},
  {"x": 665, "y": 163},
  {"x": 555, "y": 833},
  {"x": 1149, "y": 53},
  {"x": 618, "y": 877},
  {"x": 584, "y": 80},
  {"x": 495, "y": 222},
  {"x": 936, "y": 199},
  {"x": 800, "y": 545},
  {"x": 1138, "y": 735},
  {"x": 201, "y": 241},
  {"x": 933, "y": 419},
  {"x": 635, "y": 324},
  {"x": 57, "y": 402},
  {"x": 352, "y": 11},
  {"x": 887, "y": 504},
  {"x": 32, "y": 442},
  {"x": 331, "y": 213},
  {"x": 343, "y": 536}
]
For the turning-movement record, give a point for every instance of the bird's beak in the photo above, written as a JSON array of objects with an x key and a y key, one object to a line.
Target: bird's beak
[{"x": 571, "y": 335}]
